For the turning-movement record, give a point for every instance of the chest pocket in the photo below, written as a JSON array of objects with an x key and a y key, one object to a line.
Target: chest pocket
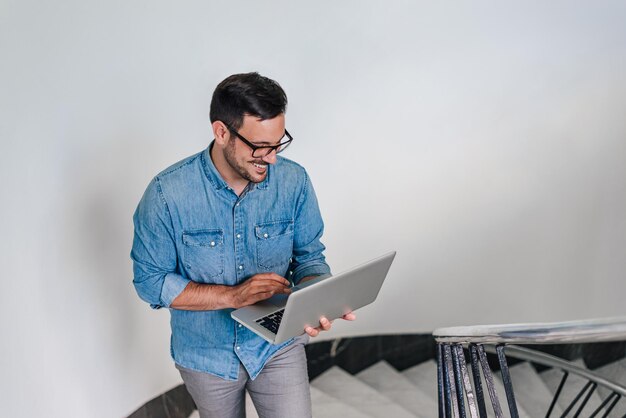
[
  {"x": 274, "y": 245},
  {"x": 203, "y": 254}
]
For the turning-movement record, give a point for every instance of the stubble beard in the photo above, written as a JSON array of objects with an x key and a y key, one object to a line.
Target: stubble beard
[{"x": 229, "y": 156}]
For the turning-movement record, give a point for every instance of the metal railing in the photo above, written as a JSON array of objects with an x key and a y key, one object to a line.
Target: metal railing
[{"x": 455, "y": 387}]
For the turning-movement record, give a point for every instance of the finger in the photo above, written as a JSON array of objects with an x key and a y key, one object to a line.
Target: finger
[
  {"x": 325, "y": 323},
  {"x": 273, "y": 277},
  {"x": 349, "y": 316},
  {"x": 270, "y": 282},
  {"x": 269, "y": 287},
  {"x": 313, "y": 332}
]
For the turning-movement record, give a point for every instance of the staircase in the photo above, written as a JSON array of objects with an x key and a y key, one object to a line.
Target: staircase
[
  {"x": 471, "y": 377},
  {"x": 381, "y": 391}
]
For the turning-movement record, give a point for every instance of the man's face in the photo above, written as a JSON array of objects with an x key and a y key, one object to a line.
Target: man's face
[{"x": 238, "y": 155}]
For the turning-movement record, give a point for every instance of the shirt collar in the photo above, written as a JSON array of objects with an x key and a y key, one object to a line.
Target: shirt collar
[{"x": 216, "y": 178}]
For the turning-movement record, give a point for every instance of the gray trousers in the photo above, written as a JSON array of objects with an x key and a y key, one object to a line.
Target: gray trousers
[{"x": 281, "y": 390}]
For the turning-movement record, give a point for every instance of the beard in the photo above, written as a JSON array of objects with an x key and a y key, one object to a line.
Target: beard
[{"x": 243, "y": 171}]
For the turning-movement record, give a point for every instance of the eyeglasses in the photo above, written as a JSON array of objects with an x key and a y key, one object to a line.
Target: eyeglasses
[{"x": 262, "y": 151}]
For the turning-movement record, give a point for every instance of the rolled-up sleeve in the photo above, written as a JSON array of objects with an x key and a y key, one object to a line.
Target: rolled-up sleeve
[
  {"x": 308, "y": 251},
  {"x": 154, "y": 251}
]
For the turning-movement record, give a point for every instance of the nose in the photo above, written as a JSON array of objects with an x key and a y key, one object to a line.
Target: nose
[{"x": 270, "y": 158}]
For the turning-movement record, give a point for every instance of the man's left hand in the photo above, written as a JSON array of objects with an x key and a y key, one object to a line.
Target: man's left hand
[{"x": 325, "y": 324}]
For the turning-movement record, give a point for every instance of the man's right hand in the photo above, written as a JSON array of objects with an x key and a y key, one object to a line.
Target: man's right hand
[{"x": 258, "y": 287}]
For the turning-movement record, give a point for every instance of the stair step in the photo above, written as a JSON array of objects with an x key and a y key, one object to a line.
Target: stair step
[
  {"x": 326, "y": 406},
  {"x": 340, "y": 384},
  {"x": 615, "y": 372},
  {"x": 391, "y": 383},
  {"x": 424, "y": 376},
  {"x": 531, "y": 391},
  {"x": 573, "y": 385}
]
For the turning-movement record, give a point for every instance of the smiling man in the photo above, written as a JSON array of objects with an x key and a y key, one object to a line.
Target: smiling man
[{"x": 226, "y": 228}]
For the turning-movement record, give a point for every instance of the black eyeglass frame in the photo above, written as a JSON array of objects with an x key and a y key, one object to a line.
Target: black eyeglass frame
[{"x": 269, "y": 148}]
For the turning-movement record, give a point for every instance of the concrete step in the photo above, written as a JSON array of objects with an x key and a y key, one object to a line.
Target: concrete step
[
  {"x": 615, "y": 372},
  {"x": 424, "y": 377},
  {"x": 573, "y": 385},
  {"x": 391, "y": 383},
  {"x": 341, "y": 385},
  {"x": 326, "y": 406}
]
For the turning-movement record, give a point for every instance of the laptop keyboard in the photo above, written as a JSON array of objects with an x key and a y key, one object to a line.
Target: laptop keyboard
[{"x": 271, "y": 321}]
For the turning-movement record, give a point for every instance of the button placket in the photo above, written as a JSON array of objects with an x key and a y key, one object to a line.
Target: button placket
[{"x": 239, "y": 262}]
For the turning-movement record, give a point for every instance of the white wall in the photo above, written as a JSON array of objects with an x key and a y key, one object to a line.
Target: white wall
[{"x": 485, "y": 142}]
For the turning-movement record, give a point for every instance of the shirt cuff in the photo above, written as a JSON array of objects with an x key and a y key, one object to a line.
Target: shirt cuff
[
  {"x": 173, "y": 285},
  {"x": 310, "y": 270}
]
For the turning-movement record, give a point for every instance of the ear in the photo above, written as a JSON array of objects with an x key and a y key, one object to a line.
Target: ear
[{"x": 220, "y": 132}]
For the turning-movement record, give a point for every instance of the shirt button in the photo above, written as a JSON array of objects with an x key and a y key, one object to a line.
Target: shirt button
[
  {"x": 265, "y": 235},
  {"x": 240, "y": 325},
  {"x": 240, "y": 267},
  {"x": 238, "y": 235},
  {"x": 238, "y": 348},
  {"x": 237, "y": 204},
  {"x": 212, "y": 243}
]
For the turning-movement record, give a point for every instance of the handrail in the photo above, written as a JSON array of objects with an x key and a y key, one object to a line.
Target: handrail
[
  {"x": 582, "y": 331},
  {"x": 544, "y": 359},
  {"x": 454, "y": 381}
]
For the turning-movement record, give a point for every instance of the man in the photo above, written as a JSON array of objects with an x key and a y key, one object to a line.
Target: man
[{"x": 226, "y": 228}]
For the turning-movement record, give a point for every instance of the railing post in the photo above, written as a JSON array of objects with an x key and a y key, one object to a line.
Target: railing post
[
  {"x": 582, "y": 406},
  {"x": 575, "y": 400},
  {"x": 458, "y": 379},
  {"x": 452, "y": 400},
  {"x": 506, "y": 379},
  {"x": 440, "y": 384},
  {"x": 480, "y": 398},
  {"x": 556, "y": 394},
  {"x": 604, "y": 403},
  {"x": 495, "y": 402},
  {"x": 471, "y": 403}
]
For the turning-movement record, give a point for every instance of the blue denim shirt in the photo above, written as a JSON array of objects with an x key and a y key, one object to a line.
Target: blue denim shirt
[{"x": 190, "y": 226}]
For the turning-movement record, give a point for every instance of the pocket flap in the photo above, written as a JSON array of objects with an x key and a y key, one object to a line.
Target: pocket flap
[
  {"x": 204, "y": 237},
  {"x": 273, "y": 229}
]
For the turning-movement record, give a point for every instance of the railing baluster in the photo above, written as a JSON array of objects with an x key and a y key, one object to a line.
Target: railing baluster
[
  {"x": 466, "y": 383},
  {"x": 603, "y": 404},
  {"x": 582, "y": 406},
  {"x": 447, "y": 355},
  {"x": 495, "y": 403},
  {"x": 608, "y": 411},
  {"x": 480, "y": 398},
  {"x": 575, "y": 401},
  {"x": 455, "y": 384},
  {"x": 446, "y": 383},
  {"x": 557, "y": 393},
  {"x": 506, "y": 379},
  {"x": 440, "y": 384},
  {"x": 458, "y": 379}
]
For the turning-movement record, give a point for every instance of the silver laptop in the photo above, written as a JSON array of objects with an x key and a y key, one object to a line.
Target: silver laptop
[{"x": 282, "y": 317}]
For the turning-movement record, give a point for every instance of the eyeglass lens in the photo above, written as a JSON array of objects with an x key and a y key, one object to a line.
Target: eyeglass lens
[{"x": 264, "y": 151}]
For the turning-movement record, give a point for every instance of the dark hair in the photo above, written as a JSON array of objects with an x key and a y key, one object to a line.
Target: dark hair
[{"x": 247, "y": 94}]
